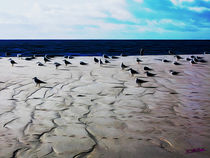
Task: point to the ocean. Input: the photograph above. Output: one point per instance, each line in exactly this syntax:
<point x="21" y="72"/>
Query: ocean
<point x="100" y="47"/>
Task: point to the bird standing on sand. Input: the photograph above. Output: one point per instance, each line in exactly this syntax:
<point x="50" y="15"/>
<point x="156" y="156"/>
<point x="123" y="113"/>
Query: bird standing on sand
<point x="187" y="59"/>
<point x="12" y="62"/>
<point x="140" y="82"/>
<point x="133" y="72"/>
<point x="107" y="61"/>
<point x="138" y="60"/>
<point x="46" y="59"/>
<point x="83" y="63"/>
<point x="149" y="74"/>
<point x="192" y="61"/>
<point x="170" y="52"/>
<point x="114" y="57"/>
<point x="178" y="57"/>
<point x="101" y="62"/>
<point x="38" y="82"/>
<point x="176" y="63"/>
<point x="57" y="64"/>
<point x="147" y="68"/>
<point x="174" y="72"/>
<point x="66" y="62"/>
<point x="106" y="56"/>
<point x="123" y="66"/>
<point x="141" y="52"/>
<point x="96" y="60"/>
<point x="40" y="64"/>
<point x="166" y="61"/>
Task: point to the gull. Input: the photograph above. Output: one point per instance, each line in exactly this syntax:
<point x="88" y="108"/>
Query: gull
<point x="170" y="52"/>
<point x="57" y="64"/>
<point x="46" y="59"/>
<point x="150" y="74"/>
<point x="101" y="62"/>
<point x="138" y="60"/>
<point x="40" y="64"/>
<point x="133" y="72"/>
<point x="105" y="56"/>
<point x="176" y="63"/>
<point x="66" y="62"/>
<point x="140" y="81"/>
<point x="83" y="63"/>
<point x="107" y="61"/>
<point x="12" y="62"/>
<point x="166" y="61"/>
<point x="147" y="68"/>
<point x="123" y="66"/>
<point x="178" y="57"/>
<point x="96" y="60"/>
<point x="174" y="72"/>
<point x="38" y="82"/>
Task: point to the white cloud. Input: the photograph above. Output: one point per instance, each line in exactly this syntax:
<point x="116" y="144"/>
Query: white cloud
<point x="198" y="9"/>
<point x="51" y="16"/>
<point x="179" y="2"/>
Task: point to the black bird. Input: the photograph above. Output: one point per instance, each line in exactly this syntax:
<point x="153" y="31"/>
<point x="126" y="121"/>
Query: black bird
<point x="147" y="68"/>
<point x="57" y="64"/>
<point x="193" y="61"/>
<point x="30" y="58"/>
<point x="150" y="74"/>
<point x="123" y="55"/>
<point x="96" y="60"/>
<point x="192" y="56"/>
<point x="12" y="62"/>
<point x="187" y="59"/>
<point x="176" y="63"/>
<point x="46" y="59"/>
<point x="101" y="62"/>
<point x="141" y="52"/>
<point x="114" y="57"/>
<point x="107" y="61"/>
<point x="198" y="57"/>
<point x="123" y="66"/>
<point x="66" y="62"/>
<point x="38" y="82"/>
<point x="40" y="64"/>
<point x="133" y="72"/>
<point x="178" y="57"/>
<point x="105" y="56"/>
<point x="170" y="52"/>
<point x="174" y="72"/>
<point x="140" y="82"/>
<point x="202" y="61"/>
<point x="166" y="61"/>
<point x="83" y="63"/>
<point x="138" y="60"/>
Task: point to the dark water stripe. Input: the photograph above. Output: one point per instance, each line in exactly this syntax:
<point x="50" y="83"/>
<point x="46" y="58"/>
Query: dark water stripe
<point x="100" y="47"/>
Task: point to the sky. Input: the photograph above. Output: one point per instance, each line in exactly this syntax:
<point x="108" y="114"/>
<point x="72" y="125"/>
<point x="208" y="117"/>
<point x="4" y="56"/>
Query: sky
<point x="105" y="19"/>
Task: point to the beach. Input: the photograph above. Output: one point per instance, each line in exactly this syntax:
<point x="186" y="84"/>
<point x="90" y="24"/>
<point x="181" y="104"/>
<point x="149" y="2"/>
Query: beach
<point x="98" y="111"/>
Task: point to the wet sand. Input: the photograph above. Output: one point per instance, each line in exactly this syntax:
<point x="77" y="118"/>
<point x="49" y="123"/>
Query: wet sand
<point x="99" y="111"/>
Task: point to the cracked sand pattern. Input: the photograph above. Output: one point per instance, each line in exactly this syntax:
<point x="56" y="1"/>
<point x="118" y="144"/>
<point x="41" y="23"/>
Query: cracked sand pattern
<point x="99" y="111"/>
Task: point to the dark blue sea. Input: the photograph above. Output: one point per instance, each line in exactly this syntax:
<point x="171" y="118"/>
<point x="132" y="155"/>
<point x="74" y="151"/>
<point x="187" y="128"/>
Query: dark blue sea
<point x="100" y="47"/>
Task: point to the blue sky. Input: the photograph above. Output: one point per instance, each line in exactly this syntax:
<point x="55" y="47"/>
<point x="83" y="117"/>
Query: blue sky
<point x="105" y="19"/>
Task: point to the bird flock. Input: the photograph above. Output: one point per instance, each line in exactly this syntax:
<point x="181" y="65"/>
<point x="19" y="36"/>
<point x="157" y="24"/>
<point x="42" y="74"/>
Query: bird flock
<point x="106" y="60"/>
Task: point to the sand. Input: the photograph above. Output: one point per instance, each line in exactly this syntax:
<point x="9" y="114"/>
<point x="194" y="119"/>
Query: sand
<point x="100" y="112"/>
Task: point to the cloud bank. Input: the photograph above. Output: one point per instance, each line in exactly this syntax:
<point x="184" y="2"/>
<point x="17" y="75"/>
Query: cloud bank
<point x="105" y="19"/>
